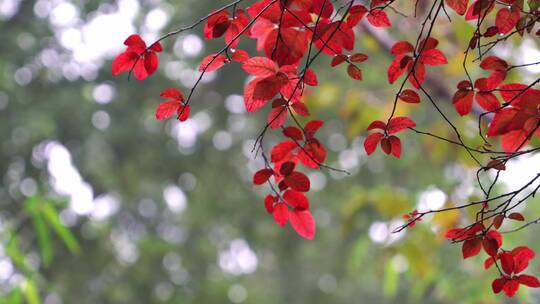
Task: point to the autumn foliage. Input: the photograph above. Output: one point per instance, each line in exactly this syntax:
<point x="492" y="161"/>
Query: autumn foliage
<point x="289" y="35"/>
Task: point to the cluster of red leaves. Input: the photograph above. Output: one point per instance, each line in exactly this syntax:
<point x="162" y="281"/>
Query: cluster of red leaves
<point x="412" y="218"/>
<point x="285" y="32"/>
<point x="510" y="263"/>
<point x="390" y="144"/>
<point x="289" y="204"/>
<point x="483" y="88"/>
<point x="174" y="104"/>
<point x="414" y="61"/>
<point x="223" y="24"/>
<point x="137" y="57"/>
<point x="508" y="17"/>
<point x="517" y="119"/>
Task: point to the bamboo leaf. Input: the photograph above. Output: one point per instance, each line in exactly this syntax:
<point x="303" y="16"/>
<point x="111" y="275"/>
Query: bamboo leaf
<point x="51" y="216"/>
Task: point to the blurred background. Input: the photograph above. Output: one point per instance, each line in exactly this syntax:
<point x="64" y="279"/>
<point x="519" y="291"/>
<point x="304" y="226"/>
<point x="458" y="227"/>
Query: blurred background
<point x="101" y="203"/>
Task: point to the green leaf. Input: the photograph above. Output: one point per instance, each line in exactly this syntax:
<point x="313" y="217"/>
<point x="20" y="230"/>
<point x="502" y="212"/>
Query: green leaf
<point x="32" y="206"/>
<point x="43" y="237"/>
<point x="51" y="216"/>
<point x="14" y="297"/>
<point x="391" y="279"/>
<point x="31" y="293"/>
<point x="15" y="254"/>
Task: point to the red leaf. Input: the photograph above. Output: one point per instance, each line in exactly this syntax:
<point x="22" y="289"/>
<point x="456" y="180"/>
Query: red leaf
<point x="479" y="8"/>
<point x="402" y="47"/>
<point x="337" y="60"/>
<point x="493" y="63"/>
<point x="522" y="255"/>
<point x="385" y="146"/>
<point x="312" y="154"/>
<point x="276" y="117"/>
<point x="416" y="78"/>
<point x="269" y="201"/>
<point x="500" y="122"/>
<point x="507" y="19"/>
<point x="313" y="126"/>
<point x="516" y="216"/>
<point x="514" y="140"/>
<point x="359" y="57"/>
<point x="259" y="91"/>
<point x="333" y="37"/>
<point x="377" y="124"/>
<point x="212" y="62"/>
<point x="156" y="47"/>
<point x="296" y="199"/>
<point x="310" y="78"/>
<point x="282" y="150"/>
<point x="139" y="70"/>
<point x="267" y="88"/>
<point x="262" y="176"/>
<point x="279" y="102"/>
<point x="217" y="24"/>
<point x="491" y="31"/>
<point x="459" y="6"/>
<point x="471" y="248"/>
<point x="463" y="101"/>
<point x="496" y="164"/>
<point x="300" y="109"/>
<point x="356" y="13"/>
<point x="510" y="91"/>
<point x="172" y="93"/>
<point x="240" y="56"/>
<point x="496" y="78"/>
<point x="511" y="287"/>
<point x="298" y="181"/>
<point x="135" y="41"/>
<point x="237" y="26"/>
<point x="378" y="18"/>
<point x="498" y="284"/>
<point x="166" y="109"/>
<point x="289" y="48"/>
<point x="293" y="133"/>
<point x="488" y="101"/>
<point x="150" y="62"/>
<point x="281" y="214"/>
<point x="123" y="62"/>
<point x="395" y="70"/>
<point x="220" y="27"/>
<point x="529" y="280"/>
<point x="497" y="221"/>
<point x="507" y="262"/>
<point x="395" y="144"/>
<point x="458" y="234"/>
<point x="354" y="72"/>
<point x="183" y="112"/>
<point x="433" y="57"/>
<point x="489" y="262"/>
<point x="464" y="85"/>
<point x="496" y="236"/>
<point x="303" y="223"/>
<point x="287" y="167"/>
<point x="398" y="124"/>
<point x="371" y="142"/>
<point x="260" y="67"/>
<point x="409" y="96"/>
<point x="490" y="247"/>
